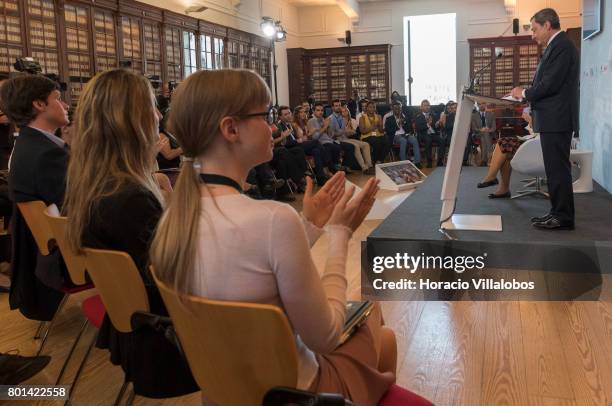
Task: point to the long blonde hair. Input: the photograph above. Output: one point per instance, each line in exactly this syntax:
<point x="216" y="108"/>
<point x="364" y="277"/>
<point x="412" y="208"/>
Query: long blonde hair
<point x="113" y="144"/>
<point x="198" y="106"/>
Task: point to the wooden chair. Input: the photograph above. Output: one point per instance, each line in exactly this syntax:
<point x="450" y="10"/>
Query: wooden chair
<point x="236" y="351"/>
<point x="244" y="354"/>
<point x="76" y="269"/>
<point x="121" y="289"/>
<point x="34" y="215"/>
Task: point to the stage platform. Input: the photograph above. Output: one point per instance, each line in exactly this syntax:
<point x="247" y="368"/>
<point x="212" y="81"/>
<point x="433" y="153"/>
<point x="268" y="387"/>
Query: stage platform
<point x="414" y="225"/>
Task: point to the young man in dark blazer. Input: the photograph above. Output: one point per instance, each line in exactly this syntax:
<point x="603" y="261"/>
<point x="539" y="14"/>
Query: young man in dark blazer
<point x="37" y="171"/>
<point x="554" y="104"/>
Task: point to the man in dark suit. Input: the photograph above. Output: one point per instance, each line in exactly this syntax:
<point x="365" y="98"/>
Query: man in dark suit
<point x="554" y="103"/>
<point x="426" y="132"/>
<point x="37" y="171"/>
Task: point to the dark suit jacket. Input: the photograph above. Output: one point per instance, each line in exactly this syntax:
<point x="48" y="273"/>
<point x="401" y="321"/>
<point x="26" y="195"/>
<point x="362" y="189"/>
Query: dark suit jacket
<point x="420" y="123"/>
<point x="38" y="172"/>
<point x="554" y="91"/>
<point x="391" y="126"/>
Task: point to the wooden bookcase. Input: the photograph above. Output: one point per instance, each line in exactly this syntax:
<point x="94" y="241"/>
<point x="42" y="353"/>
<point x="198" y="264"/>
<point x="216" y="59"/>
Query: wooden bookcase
<point x="75" y="39"/>
<point x="515" y="68"/>
<point x="333" y="73"/>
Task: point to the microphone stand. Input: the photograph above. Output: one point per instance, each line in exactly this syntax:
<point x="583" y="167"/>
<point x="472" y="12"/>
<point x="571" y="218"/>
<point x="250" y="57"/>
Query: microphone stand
<point x="473" y="80"/>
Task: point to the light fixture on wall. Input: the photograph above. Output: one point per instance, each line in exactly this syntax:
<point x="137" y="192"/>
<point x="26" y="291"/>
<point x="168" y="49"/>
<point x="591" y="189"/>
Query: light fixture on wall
<point x="195" y="9"/>
<point x="274" y="30"/>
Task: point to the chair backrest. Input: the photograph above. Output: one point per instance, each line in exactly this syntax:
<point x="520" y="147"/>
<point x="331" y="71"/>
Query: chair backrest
<point x="34" y="214"/>
<point x="120" y="285"/>
<point x="236" y="351"/>
<point x="528" y="158"/>
<point x="75" y="263"/>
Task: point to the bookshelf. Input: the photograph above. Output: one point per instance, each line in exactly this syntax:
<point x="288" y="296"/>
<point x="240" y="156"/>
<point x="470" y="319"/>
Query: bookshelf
<point x="333" y="73"/>
<point x="76" y="39"/>
<point x="515" y="68"/>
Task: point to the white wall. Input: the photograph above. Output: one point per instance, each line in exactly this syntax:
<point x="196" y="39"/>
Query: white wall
<point x="596" y="99"/>
<point x="382" y="23"/>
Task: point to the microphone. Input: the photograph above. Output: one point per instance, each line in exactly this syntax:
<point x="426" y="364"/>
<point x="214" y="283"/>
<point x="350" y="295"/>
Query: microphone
<point x="499" y="52"/>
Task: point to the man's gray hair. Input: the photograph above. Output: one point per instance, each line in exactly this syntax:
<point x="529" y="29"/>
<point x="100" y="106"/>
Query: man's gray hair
<point x="547" y="14"/>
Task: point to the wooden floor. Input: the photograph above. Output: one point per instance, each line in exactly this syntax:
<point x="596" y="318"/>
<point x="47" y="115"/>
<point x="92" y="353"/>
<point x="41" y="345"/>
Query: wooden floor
<point x="453" y="353"/>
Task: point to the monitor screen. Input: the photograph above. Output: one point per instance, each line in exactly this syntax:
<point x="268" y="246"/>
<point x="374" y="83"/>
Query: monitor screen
<point x="591" y="18"/>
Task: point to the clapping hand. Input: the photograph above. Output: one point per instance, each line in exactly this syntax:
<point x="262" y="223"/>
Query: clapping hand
<point x="351" y="212"/>
<point x="319" y="207"/>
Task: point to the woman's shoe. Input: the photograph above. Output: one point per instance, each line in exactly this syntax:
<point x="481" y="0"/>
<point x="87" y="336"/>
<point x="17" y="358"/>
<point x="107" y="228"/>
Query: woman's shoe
<point x="487" y="184"/>
<point x="506" y="195"/>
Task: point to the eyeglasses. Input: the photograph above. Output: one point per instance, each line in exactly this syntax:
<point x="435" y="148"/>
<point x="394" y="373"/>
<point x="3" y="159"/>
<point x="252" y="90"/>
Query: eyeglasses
<point x="269" y="115"/>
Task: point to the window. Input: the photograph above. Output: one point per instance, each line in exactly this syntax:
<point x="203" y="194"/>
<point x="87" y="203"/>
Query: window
<point x="189" y="53"/>
<point x="218" y="48"/>
<point x="206" y="53"/>
<point x="232" y="54"/>
<point x="434" y="78"/>
<point x="106" y="52"/>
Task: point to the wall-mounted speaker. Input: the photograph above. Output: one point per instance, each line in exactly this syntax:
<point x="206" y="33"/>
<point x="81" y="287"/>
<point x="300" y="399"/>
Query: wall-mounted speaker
<point x="515" y="26"/>
<point x="347" y="37"/>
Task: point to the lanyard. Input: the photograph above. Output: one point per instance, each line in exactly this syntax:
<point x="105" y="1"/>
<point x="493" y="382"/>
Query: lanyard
<point x="214" y="179"/>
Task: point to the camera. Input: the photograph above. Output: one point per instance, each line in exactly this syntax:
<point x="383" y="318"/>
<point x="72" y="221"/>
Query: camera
<point x="32" y="66"/>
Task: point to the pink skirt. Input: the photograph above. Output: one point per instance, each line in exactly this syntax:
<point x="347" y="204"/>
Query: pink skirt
<point x="351" y="369"/>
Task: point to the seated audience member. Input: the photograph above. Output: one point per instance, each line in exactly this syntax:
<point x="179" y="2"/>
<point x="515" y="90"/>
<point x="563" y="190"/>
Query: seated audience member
<point x="37" y="172"/>
<point x="262" y="184"/>
<point x="483" y="124"/>
<point x="363" y="103"/>
<point x="397" y="128"/>
<point x="353" y="104"/>
<point x="6" y="134"/>
<point x="503" y="153"/>
<point x="200" y="243"/>
<point x="426" y="132"/>
<point x="318" y="130"/>
<point x="307" y="109"/>
<point x="287" y="165"/>
<point x="362" y="152"/>
<point x="446" y="125"/>
<point x="338" y="131"/>
<point x="113" y="202"/>
<point x="285" y="136"/>
<point x="372" y="132"/>
<point x="169" y="156"/>
<point x="311" y="147"/>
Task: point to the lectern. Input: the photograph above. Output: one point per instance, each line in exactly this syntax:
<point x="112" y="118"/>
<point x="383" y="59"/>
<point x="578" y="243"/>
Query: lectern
<point x="448" y="219"/>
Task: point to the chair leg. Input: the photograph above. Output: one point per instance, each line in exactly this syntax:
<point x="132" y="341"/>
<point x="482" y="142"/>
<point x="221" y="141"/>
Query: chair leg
<point x="39" y="330"/>
<point x="130" y="398"/>
<point x="121" y="392"/>
<point x="44" y="339"/>
<point x="76" y="341"/>
<point x="80" y="370"/>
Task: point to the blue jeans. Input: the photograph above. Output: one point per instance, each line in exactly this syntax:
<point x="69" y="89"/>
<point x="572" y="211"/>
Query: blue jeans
<point x="403" y="141"/>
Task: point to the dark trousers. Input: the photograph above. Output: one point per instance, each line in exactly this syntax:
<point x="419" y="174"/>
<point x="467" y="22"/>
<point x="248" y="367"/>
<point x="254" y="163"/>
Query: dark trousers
<point x="428" y="140"/>
<point x="349" y="156"/>
<point x="313" y="148"/>
<point x="289" y="163"/>
<point x="333" y="151"/>
<point x="380" y="147"/>
<point x="556" y="153"/>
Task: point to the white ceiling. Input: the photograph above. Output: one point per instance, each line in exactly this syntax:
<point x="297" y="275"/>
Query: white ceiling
<point x="311" y="3"/>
